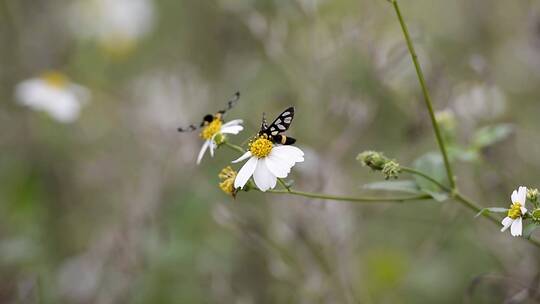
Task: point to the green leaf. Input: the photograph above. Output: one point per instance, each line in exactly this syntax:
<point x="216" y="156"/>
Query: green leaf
<point x="408" y="186"/>
<point x="431" y="164"/>
<point x="529" y="229"/>
<point x="438" y="196"/>
<point x="489" y="135"/>
<point x="463" y="154"/>
<point x="491" y="209"/>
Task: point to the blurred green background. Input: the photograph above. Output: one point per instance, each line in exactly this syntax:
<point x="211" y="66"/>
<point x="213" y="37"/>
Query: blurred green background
<point x="112" y="208"/>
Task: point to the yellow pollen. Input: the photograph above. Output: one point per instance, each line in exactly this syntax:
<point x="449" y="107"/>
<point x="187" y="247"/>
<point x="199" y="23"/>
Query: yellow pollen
<point x="55" y="79"/>
<point x="227" y="175"/>
<point x="515" y="211"/>
<point x="261" y="147"/>
<point x="211" y="129"/>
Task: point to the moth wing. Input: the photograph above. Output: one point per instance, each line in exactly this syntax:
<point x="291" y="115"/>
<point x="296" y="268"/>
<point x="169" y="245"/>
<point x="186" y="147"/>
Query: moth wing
<point x="281" y="123"/>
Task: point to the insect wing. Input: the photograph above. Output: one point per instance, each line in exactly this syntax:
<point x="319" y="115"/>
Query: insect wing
<point x="231" y="103"/>
<point x="282" y="122"/>
<point x="189" y="128"/>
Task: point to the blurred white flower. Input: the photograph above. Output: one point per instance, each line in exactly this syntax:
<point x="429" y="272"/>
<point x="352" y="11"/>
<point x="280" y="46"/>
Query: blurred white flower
<point x="267" y="163"/>
<point x="516" y="212"/>
<point x="117" y="25"/>
<point x="479" y="102"/>
<point x="213" y="134"/>
<point x="54" y="94"/>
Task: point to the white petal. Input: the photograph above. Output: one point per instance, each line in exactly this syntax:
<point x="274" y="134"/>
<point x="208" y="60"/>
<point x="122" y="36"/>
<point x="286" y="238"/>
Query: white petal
<point x="289" y="152"/>
<point x="517" y="227"/>
<point x="523" y="210"/>
<point x="231" y="129"/>
<point x="245" y="173"/>
<point x="522" y="195"/>
<point x="212" y="146"/>
<point x="203" y="149"/>
<point x="506" y="223"/>
<point x="243" y="157"/>
<point x="277" y="166"/>
<point x="264" y="179"/>
<point x="514" y="196"/>
<point x="232" y="123"/>
<point x="278" y="155"/>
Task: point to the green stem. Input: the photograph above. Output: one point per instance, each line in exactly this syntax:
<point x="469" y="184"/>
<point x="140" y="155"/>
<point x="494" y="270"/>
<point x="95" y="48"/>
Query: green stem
<point x="453" y="190"/>
<point x="234" y="147"/>
<point x="282" y="183"/>
<point x="427" y="177"/>
<point x="427" y="98"/>
<point x="351" y="199"/>
<point x="474" y="206"/>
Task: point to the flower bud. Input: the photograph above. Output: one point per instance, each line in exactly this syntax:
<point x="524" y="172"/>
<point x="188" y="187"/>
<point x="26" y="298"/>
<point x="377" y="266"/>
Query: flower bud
<point x="446" y="120"/>
<point x="377" y="161"/>
<point x="391" y="169"/>
<point x="532" y="194"/>
<point x="374" y="160"/>
<point x="227" y="176"/>
<point x="536" y="215"/>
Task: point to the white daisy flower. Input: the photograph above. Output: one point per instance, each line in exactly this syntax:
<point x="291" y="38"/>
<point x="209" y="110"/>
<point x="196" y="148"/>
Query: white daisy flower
<point x="116" y="25"/>
<point x="54" y="94"/>
<point x="267" y="162"/>
<point x="516" y="212"/>
<point x="213" y="132"/>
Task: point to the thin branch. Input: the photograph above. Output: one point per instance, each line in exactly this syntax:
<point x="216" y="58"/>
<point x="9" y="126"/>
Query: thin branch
<point x="427" y="98"/>
<point x="351" y="199"/>
<point x="283" y="184"/>
<point x="234" y="147"/>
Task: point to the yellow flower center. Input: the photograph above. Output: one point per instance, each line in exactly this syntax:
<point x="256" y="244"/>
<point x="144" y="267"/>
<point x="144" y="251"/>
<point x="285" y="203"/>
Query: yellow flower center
<point x="118" y="47"/>
<point x="55" y="79"/>
<point x="227" y="175"/>
<point x="261" y="147"/>
<point x="515" y="211"/>
<point x="211" y="129"/>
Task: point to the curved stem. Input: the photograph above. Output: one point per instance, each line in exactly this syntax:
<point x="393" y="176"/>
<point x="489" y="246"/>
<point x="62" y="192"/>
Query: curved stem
<point x="351" y="199"/>
<point x="427" y="98"/>
<point x="425" y="176"/>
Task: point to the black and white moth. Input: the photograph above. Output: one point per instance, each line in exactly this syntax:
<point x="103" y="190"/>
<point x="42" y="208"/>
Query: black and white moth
<point x="278" y="126"/>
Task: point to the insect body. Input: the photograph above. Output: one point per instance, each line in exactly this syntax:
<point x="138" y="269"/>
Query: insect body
<point x="277" y="127"/>
<point x="209" y="118"/>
